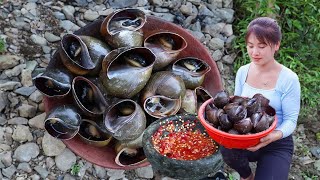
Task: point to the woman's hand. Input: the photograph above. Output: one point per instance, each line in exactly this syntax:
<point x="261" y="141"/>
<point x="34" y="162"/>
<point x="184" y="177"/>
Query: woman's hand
<point x="273" y="136"/>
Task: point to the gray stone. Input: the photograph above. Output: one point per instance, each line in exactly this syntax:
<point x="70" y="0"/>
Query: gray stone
<point x="4" y="147"/>
<point x="22" y="134"/>
<point x="51" y="37"/>
<point x="216" y="43"/>
<point x="217" y="55"/>
<point x="26" y="79"/>
<point x="68" y="12"/>
<point x="3" y="100"/>
<point x="18" y="121"/>
<point x="49" y="162"/>
<point x="42" y="171"/>
<point x="59" y="15"/>
<point x="69" y="177"/>
<point x="225" y="14"/>
<point x="46" y="49"/>
<point x="25" y="91"/>
<point x="2" y="135"/>
<point x="15" y="71"/>
<point x="24" y="167"/>
<point x="19" y="24"/>
<point x="30" y="6"/>
<point x="10" y="85"/>
<point x="122" y="4"/>
<point x="229" y="58"/>
<point x="196" y="2"/>
<point x="37" y="121"/>
<point x="214" y="29"/>
<point x="165" y="16"/>
<point x="228" y="3"/>
<point x="315" y="151"/>
<point x="68" y="25"/>
<point x="106" y="12"/>
<point x="35" y="177"/>
<point x="145" y="172"/>
<point x="9" y="61"/>
<point x="196" y="26"/>
<point x="86" y="166"/>
<point x="204" y="11"/>
<point x="52" y="146"/>
<point x="26" y="110"/>
<point x="90" y="15"/>
<point x="31" y="65"/>
<point x="98" y="1"/>
<point x="161" y="10"/>
<point x="227" y="30"/>
<point x="25" y="152"/>
<point x="115" y="173"/>
<point x="6" y="158"/>
<point x="198" y="35"/>
<point x="230" y="40"/>
<point x="82" y="3"/>
<point x="216" y="3"/>
<point x="3" y="120"/>
<point x="9" y="171"/>
<point x="142" y="2"/>
<point x="186" y="8"/>
<point x="38" y="40"/>
<point x="101" y="172"/>
<point x="36" y="96"/>
<point x="65" y="160"/>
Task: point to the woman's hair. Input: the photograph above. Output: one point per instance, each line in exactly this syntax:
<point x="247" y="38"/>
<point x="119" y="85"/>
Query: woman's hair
<point x="265" y="29"/>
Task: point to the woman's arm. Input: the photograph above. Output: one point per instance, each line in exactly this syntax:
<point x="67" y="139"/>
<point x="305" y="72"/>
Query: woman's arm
<point x="290" y="106"/>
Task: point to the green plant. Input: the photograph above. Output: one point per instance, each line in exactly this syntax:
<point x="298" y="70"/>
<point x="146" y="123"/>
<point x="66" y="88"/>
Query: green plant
<point x="318" y="136"/>
<point x="309" y="176"/>
<point x="300" y="23"/>
<point x="2" y="45"/>
<point x="230" y="177"/>
<point x="75" y="169"/>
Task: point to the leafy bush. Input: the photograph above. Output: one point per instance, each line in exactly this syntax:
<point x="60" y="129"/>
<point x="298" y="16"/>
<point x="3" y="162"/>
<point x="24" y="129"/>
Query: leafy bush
<point x="300" y="23"/>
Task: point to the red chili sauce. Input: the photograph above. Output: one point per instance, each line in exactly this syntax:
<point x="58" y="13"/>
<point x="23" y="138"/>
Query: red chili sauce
<point x="183" y="142"/>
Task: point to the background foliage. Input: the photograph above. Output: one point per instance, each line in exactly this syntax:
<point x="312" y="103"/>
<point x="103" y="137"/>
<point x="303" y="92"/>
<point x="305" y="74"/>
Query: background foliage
<point x="300" y="46"/>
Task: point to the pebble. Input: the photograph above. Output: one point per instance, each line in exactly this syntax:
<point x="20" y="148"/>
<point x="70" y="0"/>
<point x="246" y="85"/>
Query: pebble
<point x="22" y="134"/>
<point x="52" y="146"/>
<point x="37" y="121"/>
<point x="18" y="121"/>
<point x="25" y="91"/>
<point x="51" y="37"/>
<point x="25" y="152"/>
<point x="38" y="40"/>
<point x="65" y="160"/>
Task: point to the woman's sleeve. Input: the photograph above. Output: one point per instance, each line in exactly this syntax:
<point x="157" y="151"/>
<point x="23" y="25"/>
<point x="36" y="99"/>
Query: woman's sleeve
<point x="290" y="106"/>
<point x="238" y="86"/>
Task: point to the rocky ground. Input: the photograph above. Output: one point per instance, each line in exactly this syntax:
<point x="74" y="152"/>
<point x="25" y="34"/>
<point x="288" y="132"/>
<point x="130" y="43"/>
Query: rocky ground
<point x="32" y="30"/>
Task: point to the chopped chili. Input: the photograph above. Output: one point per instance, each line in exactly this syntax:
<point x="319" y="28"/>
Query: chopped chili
<point x="183" y="141"/>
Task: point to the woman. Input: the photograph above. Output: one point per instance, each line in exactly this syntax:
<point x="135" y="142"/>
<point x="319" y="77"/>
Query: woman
<point x="281" y="86"/>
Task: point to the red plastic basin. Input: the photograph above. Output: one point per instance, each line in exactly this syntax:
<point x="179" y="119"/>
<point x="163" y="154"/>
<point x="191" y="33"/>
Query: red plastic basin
<point x="232" y="140"/>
